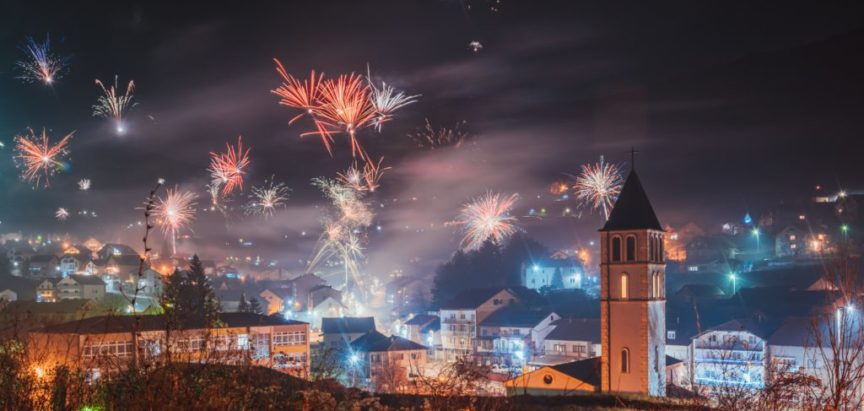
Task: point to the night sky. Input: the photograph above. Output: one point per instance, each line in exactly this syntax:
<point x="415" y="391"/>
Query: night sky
<point x="732" y="109"/>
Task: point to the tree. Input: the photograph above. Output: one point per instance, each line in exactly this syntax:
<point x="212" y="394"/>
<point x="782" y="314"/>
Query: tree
<point x="488" y="266"/>
<point x="243" y="307"/>
<point x="838" y="338"/>
<point x="255" y="306"/>
<point x="189" y="295"/>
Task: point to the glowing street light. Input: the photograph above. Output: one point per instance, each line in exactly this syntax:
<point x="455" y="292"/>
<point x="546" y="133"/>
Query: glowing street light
<point x="734" y="278"/>
<point x="756" y="233"/>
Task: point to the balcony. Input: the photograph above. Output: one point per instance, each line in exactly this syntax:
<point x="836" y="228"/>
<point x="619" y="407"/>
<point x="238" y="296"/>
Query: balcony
<point x="456" y="321"/>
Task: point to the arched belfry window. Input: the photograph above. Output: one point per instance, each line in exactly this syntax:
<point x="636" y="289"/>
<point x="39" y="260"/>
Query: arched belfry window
<point x="625" y="361"/>
<point x="651" y="246"/>
<point x="616" y="248"/>
<point x="631" y="248"/>
<point x="625" y="286"/>
<point x="660" y="256"/>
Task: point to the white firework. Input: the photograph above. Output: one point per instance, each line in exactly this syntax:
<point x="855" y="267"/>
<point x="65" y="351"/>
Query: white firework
<point x="84" y="184"/>
<point x="62" y="214"/>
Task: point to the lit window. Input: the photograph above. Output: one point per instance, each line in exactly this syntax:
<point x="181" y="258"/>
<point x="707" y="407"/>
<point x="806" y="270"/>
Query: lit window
<point x="671" y="335"/>
<point x="625" y="286"/>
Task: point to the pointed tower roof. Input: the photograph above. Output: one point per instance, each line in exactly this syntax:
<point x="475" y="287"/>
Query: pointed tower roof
<point x="632" y="210"/>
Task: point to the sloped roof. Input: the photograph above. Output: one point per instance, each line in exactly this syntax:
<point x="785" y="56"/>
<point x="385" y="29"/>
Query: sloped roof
<point x="576" y="329"/>
<point x="42" y="258"/>
<point x="516" y="317"/>
<point x="632" y="210"/>
<point x="587" y="370"/>
<point x="700" y="291"/>
<point x="421" y="319"/>
<point x="374" y="341"/>
<point x="471" y="298"/>
<point x="347" y="325"/>
<point x="122" y="323"/>
<point x="87" y="279"/>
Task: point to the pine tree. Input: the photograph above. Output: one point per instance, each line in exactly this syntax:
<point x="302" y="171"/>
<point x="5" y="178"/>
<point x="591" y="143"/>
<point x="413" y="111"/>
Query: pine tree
<point x="244" y="305"/>
<point x="188" y="295"/>
<point x="254" y="306"/>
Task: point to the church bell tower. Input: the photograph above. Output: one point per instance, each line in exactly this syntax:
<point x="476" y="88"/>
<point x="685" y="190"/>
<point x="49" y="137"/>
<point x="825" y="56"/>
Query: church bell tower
<point x="633" y="296"/>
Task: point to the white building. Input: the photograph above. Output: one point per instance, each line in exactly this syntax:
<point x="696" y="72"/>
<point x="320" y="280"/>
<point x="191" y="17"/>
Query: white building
<point x="553" y="273"/>
<point x="461" y="315"/>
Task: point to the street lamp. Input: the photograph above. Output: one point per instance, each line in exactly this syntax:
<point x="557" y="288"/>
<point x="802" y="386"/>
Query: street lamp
<point x="734" y="278"/>
<point x="756" y="234"/>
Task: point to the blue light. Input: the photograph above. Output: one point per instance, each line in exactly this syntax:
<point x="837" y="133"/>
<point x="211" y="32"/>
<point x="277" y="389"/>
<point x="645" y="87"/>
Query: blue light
<point x="747" y="218"/>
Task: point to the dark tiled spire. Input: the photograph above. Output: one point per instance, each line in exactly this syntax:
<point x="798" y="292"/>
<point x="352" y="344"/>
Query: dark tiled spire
<point x="632" y="210"/>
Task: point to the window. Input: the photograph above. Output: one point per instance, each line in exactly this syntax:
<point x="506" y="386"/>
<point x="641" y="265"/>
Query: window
<point x="660" y="255"/>
<point x="625" y="286"/>
<point x="260" y="345"/>
<point x="289" y="338"/>
<point x="625" y="361"/>
<point x="631" y="248"/>
<point x="651" y="247"/>
<point x="547" y="379"/>
<point x="671" y="335"/>
<point x="579" y="349"/>
<point x="105" y="349"/>
<point x="559" y="347"/>
<point x="616" y="249"/>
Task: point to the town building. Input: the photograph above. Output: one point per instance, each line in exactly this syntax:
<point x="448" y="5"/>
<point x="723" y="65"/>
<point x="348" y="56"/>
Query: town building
<point x="571" y="339"/>
<point x="513" y="335"/>
<point x="424" y="329"/>
<point x="461" y="316"/>
<point x="633" y="295"/>
<point x="100" y="345"/>
<point x="387" y="363"/>
<point x="562" y="379"/>
<point x="553" y="274"/>
<point x="80" y="286"/>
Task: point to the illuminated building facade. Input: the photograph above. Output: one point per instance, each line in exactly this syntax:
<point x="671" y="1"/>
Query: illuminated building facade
<point x="100" y="345"/>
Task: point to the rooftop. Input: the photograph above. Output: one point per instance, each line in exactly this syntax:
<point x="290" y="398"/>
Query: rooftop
<point x="516" y="317"/>
<point x="347" y="325"/>
<point x="632" y="210"/>
<point x="576" y="329"/>
<point x="374" y="341"/>
<point x="119" y="324"/>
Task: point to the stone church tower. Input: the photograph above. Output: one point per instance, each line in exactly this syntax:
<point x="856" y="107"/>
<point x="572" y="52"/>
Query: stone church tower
<point x="633" y="296"/>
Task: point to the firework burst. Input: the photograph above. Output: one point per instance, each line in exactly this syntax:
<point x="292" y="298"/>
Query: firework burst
<point x="386" y="100"/>
<point x="227" y="169"/>
<point x="113" y="105"/>
<point x="346" y="107"/>
<point x="598" y="185"/>
<point x="38" y="158"/>
<point x="84" y="184"/>
<point x="353" y="178"/>
<point x="41" y="65"/>
<point x="487" y="218"/>
<point x="433" y="138"/>
<point x="372" y="173"/>
<point x="266" y="199"/>
<point x="342" y="231"/>
<point x="306" y="96"/>
<point x="175" y="212"/>
<point x="62" y="214"/>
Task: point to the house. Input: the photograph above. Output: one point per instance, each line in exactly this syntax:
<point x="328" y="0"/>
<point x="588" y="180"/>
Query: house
<point x="80" y="286"/>
<point x="72" y="263"/>
<point x="732" y="353"/>
<point x="461" y="316"/>
<point x="8" y="296"/>
<point x="43" y="265"/>
<point x="563" y="379"/>
<point x="328" y="307"/>
<point x="341" y="332"/>
<point x="553" y="273"/>
<point x="389" y="364"/>
<point x="424" y="329"/>
<point x="46" y="291"/>
<point x="571" y="339"/>
<point x="302" y="285"/>
<point x="273" y="303"/>
<point x="103" y="344"/>
<point x="513" y="335"/>
<point x="150" y="284"/>
<point x="124" y="266"/>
